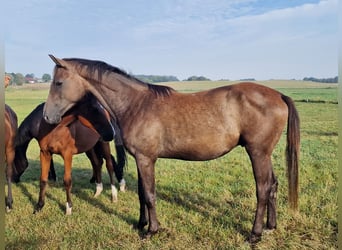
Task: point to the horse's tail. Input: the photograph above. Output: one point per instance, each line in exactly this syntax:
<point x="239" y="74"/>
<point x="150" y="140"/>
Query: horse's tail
<point x="292" y="151"/>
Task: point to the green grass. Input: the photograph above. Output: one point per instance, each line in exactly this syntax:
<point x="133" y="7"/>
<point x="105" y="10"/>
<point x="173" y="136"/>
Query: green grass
<point x="201" y="205"/>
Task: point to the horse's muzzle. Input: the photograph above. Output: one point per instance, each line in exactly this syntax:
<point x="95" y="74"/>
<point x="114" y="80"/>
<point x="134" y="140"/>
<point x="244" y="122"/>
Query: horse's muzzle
<point x="52" y="120"/>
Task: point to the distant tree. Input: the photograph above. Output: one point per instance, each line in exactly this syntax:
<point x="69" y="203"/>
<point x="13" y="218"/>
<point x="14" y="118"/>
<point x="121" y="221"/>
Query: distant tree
<point x="29" y="75"/>
<point x="197" y="78"/>
<point x="18" y="78"/>
<point x="46" y="78"/>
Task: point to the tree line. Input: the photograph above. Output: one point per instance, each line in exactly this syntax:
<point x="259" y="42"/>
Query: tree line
<point x="324" y="80"/>
<point x="20" y="79"/>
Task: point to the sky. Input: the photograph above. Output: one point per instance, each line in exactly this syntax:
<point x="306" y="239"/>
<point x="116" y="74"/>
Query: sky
<point x="218" y="39"/>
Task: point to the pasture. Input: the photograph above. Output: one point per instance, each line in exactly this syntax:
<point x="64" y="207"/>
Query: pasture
<point x="200" y="205"/>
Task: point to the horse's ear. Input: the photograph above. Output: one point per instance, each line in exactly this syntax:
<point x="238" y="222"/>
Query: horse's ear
<point x="59" y="62"/>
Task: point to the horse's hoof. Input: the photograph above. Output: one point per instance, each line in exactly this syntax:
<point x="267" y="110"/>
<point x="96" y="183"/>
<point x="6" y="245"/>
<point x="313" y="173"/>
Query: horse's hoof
<point x="253" y="239"/>
<point x="36" y="211"/>
<point x="99" y="188"/>
<point x="122" y="185"/>
<point x="38" y="208"/>
<point x="148" y="235"/>
<point x="268" y="231"/>
<point x="8" y="209"/>
<point x="114" y="194"/>
<point x="68" y="209"/>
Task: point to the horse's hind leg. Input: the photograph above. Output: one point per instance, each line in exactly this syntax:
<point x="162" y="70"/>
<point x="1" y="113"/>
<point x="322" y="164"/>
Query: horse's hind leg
<point x="110" y="170"/>
<point x="272" y="204"/>
<point x="263" y="174"/>
<point x="110" y="163"/>
<point x="96" y="163"/>
<point x="147" y="194"/>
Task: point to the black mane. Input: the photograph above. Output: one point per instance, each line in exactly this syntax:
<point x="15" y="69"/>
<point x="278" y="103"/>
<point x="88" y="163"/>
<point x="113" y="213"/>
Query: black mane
<point x="101" y="67"/>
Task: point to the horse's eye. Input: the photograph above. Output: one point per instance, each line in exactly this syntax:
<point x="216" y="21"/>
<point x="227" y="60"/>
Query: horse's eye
<point x="58" y="83"/>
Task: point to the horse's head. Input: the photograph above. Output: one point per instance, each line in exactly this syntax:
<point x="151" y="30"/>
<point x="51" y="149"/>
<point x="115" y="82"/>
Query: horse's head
<point x="66" y="89"/>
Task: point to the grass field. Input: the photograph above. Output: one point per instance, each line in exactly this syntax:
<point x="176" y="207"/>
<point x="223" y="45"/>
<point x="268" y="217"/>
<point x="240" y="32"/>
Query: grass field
<point x="201" y="205"/>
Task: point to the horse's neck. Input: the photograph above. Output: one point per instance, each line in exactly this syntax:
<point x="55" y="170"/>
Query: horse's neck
<point x="24" y="136"/>
<point x="118" y="94"/>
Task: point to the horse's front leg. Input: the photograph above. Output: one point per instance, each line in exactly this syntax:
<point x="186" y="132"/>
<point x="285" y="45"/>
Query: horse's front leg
<point x="143" y="218"/>
<point x="147" y="194"/>
<point x="45" y="159"/>
<point x="9" y="199"/>
<point x="68" y="182"/>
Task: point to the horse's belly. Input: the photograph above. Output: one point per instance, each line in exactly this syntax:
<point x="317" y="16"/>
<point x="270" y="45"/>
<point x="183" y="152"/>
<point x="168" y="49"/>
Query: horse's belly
<point x="200" y="150"/>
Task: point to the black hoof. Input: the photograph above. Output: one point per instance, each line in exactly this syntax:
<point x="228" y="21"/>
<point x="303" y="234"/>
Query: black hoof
<point x="148" y="235"/>
<point x="253" y="239"/>
<point x="38" y="208"/>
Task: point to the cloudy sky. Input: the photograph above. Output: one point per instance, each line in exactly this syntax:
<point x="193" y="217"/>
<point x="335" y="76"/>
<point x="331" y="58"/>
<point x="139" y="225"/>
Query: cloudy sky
<point x="219" y="39"/>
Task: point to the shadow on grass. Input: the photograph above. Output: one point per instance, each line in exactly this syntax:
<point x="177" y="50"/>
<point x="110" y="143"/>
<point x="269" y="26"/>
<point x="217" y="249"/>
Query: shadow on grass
<point x="186" y="199"/>
<point x="201" y="204"/>
<point x="81" y="189"/>
<point x="26" y="244"/>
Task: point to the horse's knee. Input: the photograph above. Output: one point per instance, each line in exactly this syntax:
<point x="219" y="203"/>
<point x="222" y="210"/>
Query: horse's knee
<point x="67" y="183"/>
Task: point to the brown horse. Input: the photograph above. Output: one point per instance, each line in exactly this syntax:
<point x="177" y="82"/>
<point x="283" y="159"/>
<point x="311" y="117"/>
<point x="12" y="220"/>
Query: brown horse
<point x="11" y="125"/>
<point x="77" y="133"/>
<point x="7" y="80"/>
<point x="157" y="121"/>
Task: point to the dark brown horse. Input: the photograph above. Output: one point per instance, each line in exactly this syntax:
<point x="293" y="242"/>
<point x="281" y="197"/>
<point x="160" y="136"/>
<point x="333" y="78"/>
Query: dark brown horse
<point x="11" y="126"/>
<point x="77" y="133"/>
<point x="157" y="121"/>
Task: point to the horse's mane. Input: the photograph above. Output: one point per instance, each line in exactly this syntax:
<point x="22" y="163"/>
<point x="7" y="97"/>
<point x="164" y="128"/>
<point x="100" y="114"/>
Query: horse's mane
<point x="91" y="66"/>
